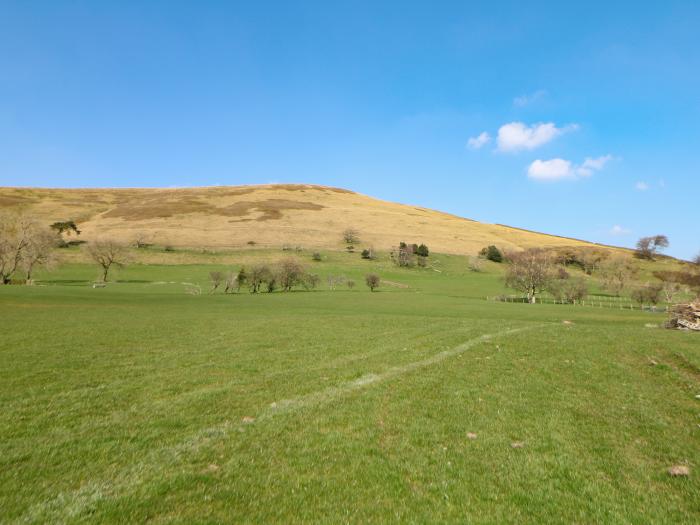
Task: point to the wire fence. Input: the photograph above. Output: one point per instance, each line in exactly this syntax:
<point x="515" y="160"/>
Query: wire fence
<point x="618" y="303"/>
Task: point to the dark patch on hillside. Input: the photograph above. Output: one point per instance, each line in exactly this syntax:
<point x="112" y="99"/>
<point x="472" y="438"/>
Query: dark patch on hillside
<point x="271" y="209"/>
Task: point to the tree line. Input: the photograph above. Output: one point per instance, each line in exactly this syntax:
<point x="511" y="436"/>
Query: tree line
<point x="536" y="270"/>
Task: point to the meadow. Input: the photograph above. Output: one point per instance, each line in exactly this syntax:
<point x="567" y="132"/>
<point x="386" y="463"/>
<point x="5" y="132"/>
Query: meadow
<point x="421" y="402"/>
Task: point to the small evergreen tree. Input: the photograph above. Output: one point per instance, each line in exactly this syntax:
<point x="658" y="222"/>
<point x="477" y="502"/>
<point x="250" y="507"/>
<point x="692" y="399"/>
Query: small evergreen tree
<point x="492" y="254"/>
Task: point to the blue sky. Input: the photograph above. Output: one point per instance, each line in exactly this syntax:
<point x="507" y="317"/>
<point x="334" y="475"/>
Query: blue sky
<point x="589" y="114"/>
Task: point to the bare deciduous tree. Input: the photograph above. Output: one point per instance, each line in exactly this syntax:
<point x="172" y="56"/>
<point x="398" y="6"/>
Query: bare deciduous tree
<point x="616" y="274"/>
<point x="217" y="279"/>
<point x="40" y="251"/>
<point x="648" y="247"/>
<point x="16" y="230"/>
<point x="141" y="240"/>
<point x="259" y="275"/>
<point x="529" y="272"/>
<point x="591" y="261"/>
<point x="107" y="253"/>
<point x="351" y="236"/>
<point x="372" y="280"/>
<point x="290" y="273"/>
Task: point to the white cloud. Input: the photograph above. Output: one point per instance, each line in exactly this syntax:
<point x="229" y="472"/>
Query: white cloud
<point x="591" y="165"/>
<point x="479" y="141"/>
<point x="526" y="100"/>
<point x="619" y="230"/>
<point x="641" y="186"/>
<point x="559" y="169"/>
<point x="550" y="170"/>
<point x="517" y="136"/>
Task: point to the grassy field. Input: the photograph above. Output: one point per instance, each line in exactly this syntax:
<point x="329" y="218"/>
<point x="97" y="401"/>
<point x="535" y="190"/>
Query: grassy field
<point x="421" y="402"/>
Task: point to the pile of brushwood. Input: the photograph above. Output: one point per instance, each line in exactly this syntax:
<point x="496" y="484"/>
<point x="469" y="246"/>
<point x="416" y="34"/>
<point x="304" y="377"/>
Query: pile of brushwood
<point x="685" y="316"/>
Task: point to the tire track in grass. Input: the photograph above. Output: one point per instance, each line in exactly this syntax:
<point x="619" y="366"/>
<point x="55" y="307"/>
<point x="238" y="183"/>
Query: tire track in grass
<point x="72" y="504"/>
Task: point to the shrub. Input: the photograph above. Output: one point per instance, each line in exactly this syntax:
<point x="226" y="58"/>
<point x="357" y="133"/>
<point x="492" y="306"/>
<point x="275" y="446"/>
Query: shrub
<point x="562" y="273"/>
<point x="647" y="294"/>
<point x="316" y="257"/>
<point x="351" y="284"/>
<point x="422" y="251"/>
<point x="351" y="236"/>
<point x="568" y="290"/>
<point x="492" y="253"/>
<point x="310" y="281"/>
<point x="168" y="248"/>
<point x="372" y="280"/>
<point x="335" y="280"/>
<point x="242" y="277"/>
<point x="368" y="253"/>
<point x="474" y="264"/>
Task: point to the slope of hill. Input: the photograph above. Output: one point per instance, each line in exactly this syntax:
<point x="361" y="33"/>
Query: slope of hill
<point x="269" y="215"/>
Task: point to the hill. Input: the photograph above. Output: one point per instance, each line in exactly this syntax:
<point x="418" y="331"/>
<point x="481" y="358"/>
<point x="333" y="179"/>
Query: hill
<point x="267" y="216"/>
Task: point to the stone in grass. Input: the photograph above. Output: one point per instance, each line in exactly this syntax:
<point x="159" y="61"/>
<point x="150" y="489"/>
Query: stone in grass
<point x="471" y="435"/>
<point x="567" y="322"/>
<point x="517" y="444"/>
<point x="212" y="468"/>
<point x="679" y="470"/>
<point x="247" y="420"/>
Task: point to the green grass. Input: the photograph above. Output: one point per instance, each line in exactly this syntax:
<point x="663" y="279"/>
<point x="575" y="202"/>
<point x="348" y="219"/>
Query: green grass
<point x="128" y="403"/>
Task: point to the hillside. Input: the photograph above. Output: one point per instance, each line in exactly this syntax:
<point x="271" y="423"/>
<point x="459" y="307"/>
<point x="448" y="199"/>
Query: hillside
<point x="270" y="215"/>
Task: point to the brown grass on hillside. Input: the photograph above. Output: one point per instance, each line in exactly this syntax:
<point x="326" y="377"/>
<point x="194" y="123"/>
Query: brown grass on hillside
<point x="270" y="215"/>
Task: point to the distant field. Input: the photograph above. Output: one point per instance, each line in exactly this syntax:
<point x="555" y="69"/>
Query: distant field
<point x="421" y="402"/>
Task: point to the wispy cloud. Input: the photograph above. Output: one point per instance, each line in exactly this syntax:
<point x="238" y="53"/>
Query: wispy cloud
<point x="618" y="230"/>
<point x="590" y="165"/>
<point x="561" y="169"/>
<point x="517" y="136"/>
<point x="479" y="141"/>
<point x="526" y="100"/>
<point x="641" y="186"/>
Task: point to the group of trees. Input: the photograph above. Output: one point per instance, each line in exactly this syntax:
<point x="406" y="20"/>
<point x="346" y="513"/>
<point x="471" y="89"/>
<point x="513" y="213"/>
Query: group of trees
<point x="25" y="245"/>
<point x="285" y="275"/>
<point x="408" y="255"/>
<point x="537" y="270"/>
